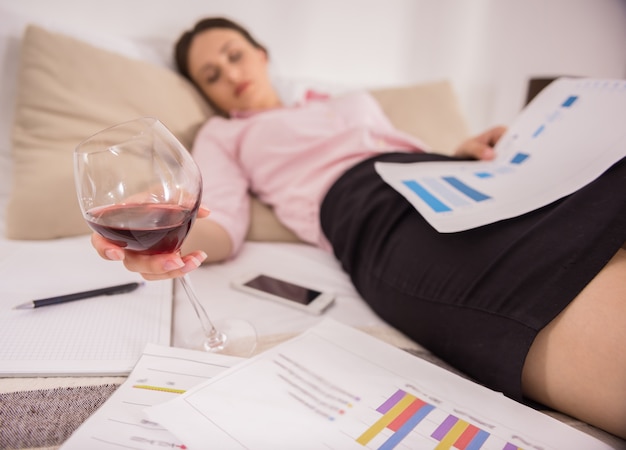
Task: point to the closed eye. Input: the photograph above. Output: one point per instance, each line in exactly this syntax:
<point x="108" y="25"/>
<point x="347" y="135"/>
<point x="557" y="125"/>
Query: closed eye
<point x="233" y="57"/>
<point x="213" y="77"/>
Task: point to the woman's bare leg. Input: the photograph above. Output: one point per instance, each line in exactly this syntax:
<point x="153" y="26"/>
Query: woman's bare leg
<point x="577" y="364"/>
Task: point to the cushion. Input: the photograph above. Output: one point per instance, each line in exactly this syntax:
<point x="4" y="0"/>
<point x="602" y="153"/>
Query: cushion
<point x="429" y="111"/>
<point x="68" y="90"/>
<point x="12" y="25"/>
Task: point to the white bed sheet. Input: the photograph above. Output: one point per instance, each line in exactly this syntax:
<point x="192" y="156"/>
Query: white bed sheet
<point x="274" y="323"/>
<point x="294" y="262"/>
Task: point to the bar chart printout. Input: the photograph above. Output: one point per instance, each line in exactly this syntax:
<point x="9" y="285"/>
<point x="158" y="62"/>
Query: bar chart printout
<point x="402" y="417"/>
<point x="564" y="139"/>
<point x="401" y="414"/>
<point x="334" y="387"/>
<point x="160" y="374"/>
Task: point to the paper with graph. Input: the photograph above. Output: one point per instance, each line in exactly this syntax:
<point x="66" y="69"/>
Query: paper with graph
<point x="564" y="139"/>
<point x="334" y="387"/>
<point x="161" y="374"/>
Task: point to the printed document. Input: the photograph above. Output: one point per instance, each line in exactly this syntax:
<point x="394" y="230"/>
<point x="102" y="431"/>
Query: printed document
<point x="161" y="374"/>
<point x="564" y="139"/>
<point x="334" y="387"/>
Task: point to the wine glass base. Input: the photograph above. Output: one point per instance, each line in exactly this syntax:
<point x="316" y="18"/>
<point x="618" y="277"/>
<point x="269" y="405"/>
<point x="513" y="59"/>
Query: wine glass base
<point x="235" y="337"/>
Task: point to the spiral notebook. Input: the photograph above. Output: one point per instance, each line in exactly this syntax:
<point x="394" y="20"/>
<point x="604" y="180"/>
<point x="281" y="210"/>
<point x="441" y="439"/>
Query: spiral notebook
<point x="99" y="336"/>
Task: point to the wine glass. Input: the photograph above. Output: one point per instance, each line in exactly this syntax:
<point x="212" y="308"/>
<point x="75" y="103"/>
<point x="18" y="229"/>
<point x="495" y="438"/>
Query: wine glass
<point x="140" y="188"/>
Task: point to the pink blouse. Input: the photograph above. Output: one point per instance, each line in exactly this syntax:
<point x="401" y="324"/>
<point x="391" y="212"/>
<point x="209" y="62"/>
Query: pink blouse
<point x="289" y="157"/>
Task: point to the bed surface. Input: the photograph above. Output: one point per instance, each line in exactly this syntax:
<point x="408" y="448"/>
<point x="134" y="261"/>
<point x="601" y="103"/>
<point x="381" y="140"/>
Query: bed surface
<point x="274" y="324"/>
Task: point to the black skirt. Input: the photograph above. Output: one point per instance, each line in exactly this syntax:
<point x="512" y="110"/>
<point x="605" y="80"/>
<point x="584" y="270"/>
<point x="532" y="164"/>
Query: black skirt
<point x="476" y="298"/>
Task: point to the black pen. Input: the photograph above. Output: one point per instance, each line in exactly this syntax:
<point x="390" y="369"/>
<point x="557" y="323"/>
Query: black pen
<point x="111" y="290"/>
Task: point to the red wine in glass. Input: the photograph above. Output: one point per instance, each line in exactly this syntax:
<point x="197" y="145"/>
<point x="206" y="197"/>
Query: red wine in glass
<point x="149" y="228"/>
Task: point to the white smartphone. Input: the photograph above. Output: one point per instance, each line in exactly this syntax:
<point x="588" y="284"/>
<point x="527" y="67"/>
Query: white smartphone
<point x="304" y="298"/>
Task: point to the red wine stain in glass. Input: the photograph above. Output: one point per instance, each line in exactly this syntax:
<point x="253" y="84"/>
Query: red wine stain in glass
<point x="146" y="228"/>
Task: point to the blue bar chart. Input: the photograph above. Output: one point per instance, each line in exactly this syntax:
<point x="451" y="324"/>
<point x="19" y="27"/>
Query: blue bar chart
<point x="442" y="195"/>
<point x="564" y="139"/>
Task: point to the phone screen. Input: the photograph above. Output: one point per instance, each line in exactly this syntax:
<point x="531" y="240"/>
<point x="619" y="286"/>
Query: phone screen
<point x="283" y="289"/>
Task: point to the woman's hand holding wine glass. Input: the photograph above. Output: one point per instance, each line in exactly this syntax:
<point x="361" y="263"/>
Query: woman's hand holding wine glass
<point x="152" y="267"/>
<point x="139" y="189"/>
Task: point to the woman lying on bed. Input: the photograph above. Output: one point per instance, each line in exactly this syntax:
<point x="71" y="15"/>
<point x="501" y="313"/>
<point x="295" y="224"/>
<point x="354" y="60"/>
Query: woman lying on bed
<point x="533" y="306"/>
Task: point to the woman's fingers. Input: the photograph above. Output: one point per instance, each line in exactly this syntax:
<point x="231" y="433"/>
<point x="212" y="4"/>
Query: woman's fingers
<point x="151" y="267"/>
<point x="158" y="267"/>
<point x="189" y="262"/>
<point x="476" y="149"/>
<point x="481" y="146"/>
<point x="106" y="249"/>
<point x="203" y="212"/>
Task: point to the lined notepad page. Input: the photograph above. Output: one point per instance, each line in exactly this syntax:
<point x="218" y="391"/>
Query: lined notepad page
<point x="98" y="336"/>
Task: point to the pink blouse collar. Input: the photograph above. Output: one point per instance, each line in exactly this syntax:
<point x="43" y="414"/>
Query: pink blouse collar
<point x="309" y="95"/>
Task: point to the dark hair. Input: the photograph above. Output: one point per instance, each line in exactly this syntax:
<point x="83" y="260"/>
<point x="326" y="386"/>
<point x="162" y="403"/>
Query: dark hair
<point x="181" y="50"/>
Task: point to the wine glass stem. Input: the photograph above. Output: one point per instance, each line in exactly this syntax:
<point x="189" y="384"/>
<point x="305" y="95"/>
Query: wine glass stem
<point x="209" y="329"/>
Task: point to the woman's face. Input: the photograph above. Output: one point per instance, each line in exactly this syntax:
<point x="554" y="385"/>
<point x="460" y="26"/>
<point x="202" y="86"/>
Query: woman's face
<point x="231" y="71"/>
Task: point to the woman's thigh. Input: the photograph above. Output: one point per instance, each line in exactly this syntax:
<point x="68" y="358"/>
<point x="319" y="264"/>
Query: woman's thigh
<point x="476" y="298"/>
<point x="577" y="363"/>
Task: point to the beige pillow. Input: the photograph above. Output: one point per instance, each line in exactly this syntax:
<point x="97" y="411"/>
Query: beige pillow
<point x="68" y="90"/>
<point x="429" y="111"/>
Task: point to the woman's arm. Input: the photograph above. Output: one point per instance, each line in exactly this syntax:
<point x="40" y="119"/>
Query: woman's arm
<point x="211" y="238"/>
<point x="210" y="243"/>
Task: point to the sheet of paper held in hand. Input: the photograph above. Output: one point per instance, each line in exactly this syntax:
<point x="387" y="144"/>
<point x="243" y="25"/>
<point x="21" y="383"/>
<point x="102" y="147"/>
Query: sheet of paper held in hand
<point x="161" y="374"/>
<point x="102" y="335"/>
<point x="565" y="138"/>
<point x="334" y="387"/>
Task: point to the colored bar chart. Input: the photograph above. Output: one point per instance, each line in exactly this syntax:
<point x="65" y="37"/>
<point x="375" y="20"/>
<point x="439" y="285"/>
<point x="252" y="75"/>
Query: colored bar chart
<point x="159" y="388"/>
<point x="441" y="194"/>
<point x="539" y="130"/>
<point x="569" y="101"/>
<point x="542" y="157"/>
<point x="398" y="401"/>
<point x="444" y="194"/>
<point x="431" y="200"/>
<point x="402" y="412"/>
<point x="401" y="416"/>
<point x="457" y="433"/>
<point x="510" y="446"/>
<point x="519" y="158"/>
<point x="466" y="189"/>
